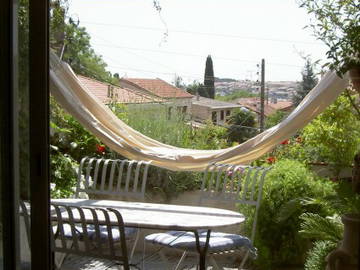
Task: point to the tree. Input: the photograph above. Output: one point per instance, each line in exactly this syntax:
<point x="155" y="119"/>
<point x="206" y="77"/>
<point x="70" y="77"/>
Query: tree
<point x="209" y="79"/>
<point x="197" y="88"/>
<point x="275" y="118"/>
<point x="242" y="126"/>
<point x="308" y="82"/>
<point x="178" y="82"/>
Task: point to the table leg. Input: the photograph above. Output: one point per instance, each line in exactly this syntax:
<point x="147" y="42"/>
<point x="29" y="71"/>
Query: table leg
<point x="202" y="250"/>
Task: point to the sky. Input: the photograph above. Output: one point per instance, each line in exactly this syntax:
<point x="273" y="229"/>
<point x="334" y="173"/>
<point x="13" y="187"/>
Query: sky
<point x="138" y="41"/>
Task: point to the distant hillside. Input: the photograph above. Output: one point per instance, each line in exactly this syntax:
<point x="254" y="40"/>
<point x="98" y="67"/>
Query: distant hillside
<point x="224" y="80"/>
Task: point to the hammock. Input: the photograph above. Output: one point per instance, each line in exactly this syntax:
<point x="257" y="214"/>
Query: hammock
<point x="77" y="100"/>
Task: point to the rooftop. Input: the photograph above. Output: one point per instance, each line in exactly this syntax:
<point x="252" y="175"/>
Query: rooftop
<point x="213" y="103"/>
<point x="159" y="88"/>
<point x="120" y="95"/>
<point x="253" y="104"/>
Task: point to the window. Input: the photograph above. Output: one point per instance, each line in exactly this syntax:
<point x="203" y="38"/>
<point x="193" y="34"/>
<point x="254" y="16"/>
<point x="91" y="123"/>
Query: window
<point x="222" y="117"/>
<point x="214" y="117"/>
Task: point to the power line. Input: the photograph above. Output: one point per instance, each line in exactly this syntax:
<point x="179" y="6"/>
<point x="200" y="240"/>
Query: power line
<point x="182" y="53"/>
<point x="194" y="55"/>
<point x="205" y="33"/>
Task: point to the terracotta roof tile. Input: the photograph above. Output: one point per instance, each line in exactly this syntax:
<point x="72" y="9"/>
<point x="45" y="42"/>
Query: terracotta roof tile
<point x="121" y="95"/>
<point x="159" y="88"/>
<point x="253" y="104"/>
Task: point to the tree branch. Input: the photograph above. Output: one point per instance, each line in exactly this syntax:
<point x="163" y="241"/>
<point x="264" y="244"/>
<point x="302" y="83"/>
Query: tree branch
<point x="353" y="103"/>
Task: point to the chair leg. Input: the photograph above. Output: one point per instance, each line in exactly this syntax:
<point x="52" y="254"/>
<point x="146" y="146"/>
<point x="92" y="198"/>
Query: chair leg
<point x="134" y="245"/>
<point x="163" y="257"/>
<point x="214" y="263"/>
<point x="244" y="260"/>
<point x="58" y="262"/>
<point x="181" y="260"/>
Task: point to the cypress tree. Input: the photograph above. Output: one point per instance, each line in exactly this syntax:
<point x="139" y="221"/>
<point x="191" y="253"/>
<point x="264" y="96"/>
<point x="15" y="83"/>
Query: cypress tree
<point x="209" y="79"/>
<point x="308" y="82"/>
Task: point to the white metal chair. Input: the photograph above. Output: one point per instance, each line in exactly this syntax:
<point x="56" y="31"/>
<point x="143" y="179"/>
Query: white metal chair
<point x="96" y="240"/>
<point x="240" y="185"/>
<point x="114" y="177"/>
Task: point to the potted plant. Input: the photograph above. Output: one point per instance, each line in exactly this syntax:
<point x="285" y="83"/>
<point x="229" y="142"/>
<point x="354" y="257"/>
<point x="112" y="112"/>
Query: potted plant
<point x="337" y="24"/>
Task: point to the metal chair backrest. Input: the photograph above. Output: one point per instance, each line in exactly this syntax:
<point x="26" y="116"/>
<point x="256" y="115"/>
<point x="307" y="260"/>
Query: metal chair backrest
<point x="235" y="184"/>
<point x="112" y="177"/>
<point x="88" y="244"/>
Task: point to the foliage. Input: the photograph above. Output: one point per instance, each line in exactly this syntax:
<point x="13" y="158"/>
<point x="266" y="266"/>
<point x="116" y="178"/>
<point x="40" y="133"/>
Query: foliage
<point x="63" y="174"/>
<point x="337" y="24"/>
<point x="334" y="136"/>
<point x="317" y="254"/>
<point x="328" y="231"/>
<point x="209" y="79"/>
<point x="197" y="88"/>
<point x="277" y="238"/>
<point x="169" y="184"/>
<point x="308" y="82"/>
<point x="23" y="65"/>
<point x="275" y="118"/>
<point x="345" y="201"/>
<point x="81" y="57"/>
<point x="331" y="138"/>
<point x="240" y="93"/>
<point x="241" y="126"/>
<point x="69" y="136"/>
<point x="155" y="121"/>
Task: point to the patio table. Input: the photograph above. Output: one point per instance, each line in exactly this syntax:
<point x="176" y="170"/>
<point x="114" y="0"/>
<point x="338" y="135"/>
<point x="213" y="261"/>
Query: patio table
<point x="164" y="217"/>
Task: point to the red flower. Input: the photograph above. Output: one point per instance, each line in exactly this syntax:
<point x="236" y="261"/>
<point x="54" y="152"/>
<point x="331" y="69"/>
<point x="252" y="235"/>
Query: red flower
<point x="100" y="148"/>
<point x="271" y="160"/>
<point x="285" y="142"/>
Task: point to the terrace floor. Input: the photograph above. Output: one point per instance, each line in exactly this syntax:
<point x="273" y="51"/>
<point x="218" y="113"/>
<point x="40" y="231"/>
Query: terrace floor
<point x="74" y="262"/>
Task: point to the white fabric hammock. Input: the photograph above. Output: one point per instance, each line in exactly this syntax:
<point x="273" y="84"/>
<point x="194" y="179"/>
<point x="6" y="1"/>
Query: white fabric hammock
<point x="77" y="100"/>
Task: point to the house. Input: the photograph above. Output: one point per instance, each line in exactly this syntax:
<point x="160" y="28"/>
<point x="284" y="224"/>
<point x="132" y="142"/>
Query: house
<point x="108" y="93"/>
<point x="253" y="104"/>
<point x="174" y="96"/>
<point x="203" y="108"/>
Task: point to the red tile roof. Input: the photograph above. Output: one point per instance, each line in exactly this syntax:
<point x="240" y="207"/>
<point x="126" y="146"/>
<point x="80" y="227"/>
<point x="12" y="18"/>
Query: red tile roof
<point x="253" y="104"/>
<point x="159" y="87"/>
<point x="121" y="95"/>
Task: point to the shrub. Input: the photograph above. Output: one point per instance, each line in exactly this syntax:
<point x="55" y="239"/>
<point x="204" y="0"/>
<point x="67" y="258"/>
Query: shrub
<point x="277" y="237"/>
<point x="241" y="126"/>
<point x="317" y="255"/>
<point x="63" y="174"/>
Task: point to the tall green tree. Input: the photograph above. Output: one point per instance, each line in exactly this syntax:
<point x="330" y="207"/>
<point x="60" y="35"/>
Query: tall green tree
<point x="209" y="79"/>
<point x="308" y="82"/>
<point x="197" y="88"/>
<point x="242" y="126"/>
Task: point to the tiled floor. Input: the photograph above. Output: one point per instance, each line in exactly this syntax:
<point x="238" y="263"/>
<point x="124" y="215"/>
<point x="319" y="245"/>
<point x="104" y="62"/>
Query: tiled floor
<point x="154" y="263"/>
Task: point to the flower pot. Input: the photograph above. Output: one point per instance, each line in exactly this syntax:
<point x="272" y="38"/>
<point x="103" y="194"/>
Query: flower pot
<point x="346" y="256"/>
<point x="355" y="78"/>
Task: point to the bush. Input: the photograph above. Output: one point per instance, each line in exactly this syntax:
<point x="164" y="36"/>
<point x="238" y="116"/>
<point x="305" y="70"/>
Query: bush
<point x="241" y="126"/>
<point x="277" y="237"/>
<point x="63" y="174"/>
<point x="317" y="255"/>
